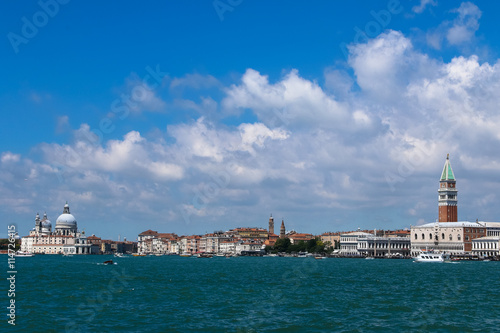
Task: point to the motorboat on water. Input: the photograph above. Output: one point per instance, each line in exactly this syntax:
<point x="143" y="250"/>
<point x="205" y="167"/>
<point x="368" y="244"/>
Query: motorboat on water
<point x="108" y="262"/>
<point x="19" y="254"/>
<point x="431" y="256"/>
<point x="204" y="255"/>
<point x="185" y="254"/>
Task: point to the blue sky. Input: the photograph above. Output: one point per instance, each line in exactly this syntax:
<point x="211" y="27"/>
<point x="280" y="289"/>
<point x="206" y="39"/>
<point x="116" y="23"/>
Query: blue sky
<point x="195" y="116"/>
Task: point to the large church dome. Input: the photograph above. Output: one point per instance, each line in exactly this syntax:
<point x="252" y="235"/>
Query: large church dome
<point x="66" y="220"/>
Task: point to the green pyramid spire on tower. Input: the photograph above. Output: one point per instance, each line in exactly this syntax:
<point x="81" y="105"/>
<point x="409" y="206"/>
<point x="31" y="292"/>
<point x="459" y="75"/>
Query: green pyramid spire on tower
<point x="447" y="171"/>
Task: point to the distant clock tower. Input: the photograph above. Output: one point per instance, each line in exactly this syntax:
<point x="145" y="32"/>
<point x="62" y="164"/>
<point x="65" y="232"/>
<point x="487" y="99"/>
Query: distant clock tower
<point x="447" y="194"/>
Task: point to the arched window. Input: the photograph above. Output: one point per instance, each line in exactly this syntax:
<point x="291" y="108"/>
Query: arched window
<point x="466" y="238"/>
<point x="416" y="237"/>
<point x="451" y="237"/>
<point x="458" y="237"/>
<point x="423" y="236"/>
<point x="442" y="236"/>
<point x="430" y="236"/>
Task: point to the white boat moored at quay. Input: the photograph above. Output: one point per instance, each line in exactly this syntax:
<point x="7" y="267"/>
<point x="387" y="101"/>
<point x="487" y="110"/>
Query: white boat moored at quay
<point x="19" y="254"/>
<point x="431" y="256"/>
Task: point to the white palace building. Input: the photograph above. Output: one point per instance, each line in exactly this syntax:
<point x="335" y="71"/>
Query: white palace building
<point x="448" y="234"/>
<point x="65" y="239"/>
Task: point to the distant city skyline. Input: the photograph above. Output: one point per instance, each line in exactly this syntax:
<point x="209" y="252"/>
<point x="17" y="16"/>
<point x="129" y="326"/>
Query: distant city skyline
<point x="189" y="118"/>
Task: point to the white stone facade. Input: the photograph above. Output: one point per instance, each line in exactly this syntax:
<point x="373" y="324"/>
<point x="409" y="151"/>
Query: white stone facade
<point x="349" y="243"/>
<point x="384" y="246"/>
<point x="65" y="237"/>
<point x="486" y="247"/>
<point x="451" y="237"/>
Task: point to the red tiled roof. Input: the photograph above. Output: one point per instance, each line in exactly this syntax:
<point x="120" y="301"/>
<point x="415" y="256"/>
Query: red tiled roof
<point x="148" y="233"/>
<point x="166" y="235"/>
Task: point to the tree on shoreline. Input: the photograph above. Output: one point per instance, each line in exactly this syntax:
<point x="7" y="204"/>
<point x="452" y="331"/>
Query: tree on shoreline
<point x="282" y="245"/>
<point x="314" y="245"/>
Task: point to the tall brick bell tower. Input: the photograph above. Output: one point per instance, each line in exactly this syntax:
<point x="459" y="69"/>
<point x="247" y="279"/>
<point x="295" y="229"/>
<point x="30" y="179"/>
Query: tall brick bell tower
<point x="271" y="225"/>
<point x="447" y="194"/>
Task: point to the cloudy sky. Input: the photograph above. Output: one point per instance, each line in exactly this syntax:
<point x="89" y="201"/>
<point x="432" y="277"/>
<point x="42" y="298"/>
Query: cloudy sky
<point x="195" y="116"/>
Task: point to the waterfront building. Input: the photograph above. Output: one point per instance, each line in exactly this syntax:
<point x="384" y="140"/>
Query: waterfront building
<point x="349" y="243"/>
<point x="492" y="228"/>
<point x="191" y="244"/>
<point x="80" y="246"/>
<point x="388" y="246"/>
<point x="297" y="237"/>
<point x="182" y="243"/>
<point x="250" y="233"/>
<point x="194" y="244"/>
<point x="249" y="247"/>
<point x="486" y="247"/>
<point x="332" y="237"/>
<point x="94" y="240"/>
<point x="105" y="246"/>
<point x="65" y="239"/>
<point x="271" y="240"/>
<point x="110" y="247"/>
<point x="174" y="246"/>
<point x="162" y="243"/>
<point x="144" y="241"/>
<point x="397" y="233"/>
<point x="449" y="235"/>
<point x="202" y="244"/>
<point x="213" y="241"/>
<point x="228" y="246"/>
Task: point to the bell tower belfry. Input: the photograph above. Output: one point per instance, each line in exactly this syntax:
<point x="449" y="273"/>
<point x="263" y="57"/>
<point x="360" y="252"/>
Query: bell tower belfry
<point x="282" y="229"/>
<point x="447" y="194"/>
<point x="271" y="225"/>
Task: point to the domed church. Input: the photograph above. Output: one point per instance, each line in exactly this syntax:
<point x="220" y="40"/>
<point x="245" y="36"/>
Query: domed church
<point x="66" y="223"/>
<point x="66" y="239"/>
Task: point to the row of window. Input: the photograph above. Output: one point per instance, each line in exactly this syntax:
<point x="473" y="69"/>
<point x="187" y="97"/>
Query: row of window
<point x="383" y="245"/>
<point x="474" y="230"/>
<point x="49" y="241"/>
<point x="483" y="245"/>
<point x="459" y="238"/>
<point x="451" y="197"/>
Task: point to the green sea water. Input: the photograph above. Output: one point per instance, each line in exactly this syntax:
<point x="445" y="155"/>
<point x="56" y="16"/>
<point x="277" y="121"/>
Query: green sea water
<point x="249" y="294"/>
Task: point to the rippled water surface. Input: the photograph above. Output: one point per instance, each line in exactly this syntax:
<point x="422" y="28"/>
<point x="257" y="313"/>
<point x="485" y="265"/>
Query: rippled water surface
<point x="245" y="294"/>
